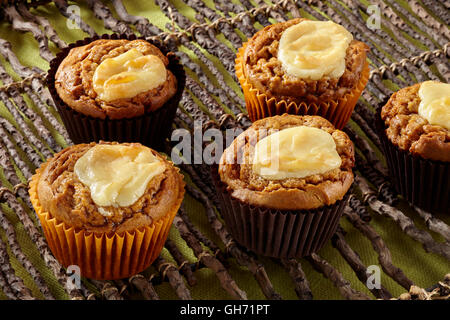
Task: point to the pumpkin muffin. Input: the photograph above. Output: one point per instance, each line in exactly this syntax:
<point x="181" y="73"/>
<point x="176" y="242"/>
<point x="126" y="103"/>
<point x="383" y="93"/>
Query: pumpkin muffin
<point x="107" y="207"/>
<point x="112" y="89"/>
<point x="284" y="183"/>
<point x="415" y="129"/>
<point x="303" y="67"/>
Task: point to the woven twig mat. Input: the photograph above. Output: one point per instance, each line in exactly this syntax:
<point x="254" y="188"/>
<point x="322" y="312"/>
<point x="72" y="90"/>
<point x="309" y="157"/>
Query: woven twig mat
<point x="410" y="248"/>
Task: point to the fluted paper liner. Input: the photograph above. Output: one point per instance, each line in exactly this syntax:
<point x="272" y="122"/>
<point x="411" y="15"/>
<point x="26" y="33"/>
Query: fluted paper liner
<point x="422" y="182"/>
<point x="150" y="129"/>
<point x="278" y="233"/>
<point x="259" y="105"/>
<point x="102" y="256"/>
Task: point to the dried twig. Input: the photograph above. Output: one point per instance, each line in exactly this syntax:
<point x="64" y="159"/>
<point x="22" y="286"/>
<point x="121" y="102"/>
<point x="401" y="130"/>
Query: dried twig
<point x="369" y="153"/>
<point x="35" y="235"/>
<point x="213" y="106"/>
<point x="20" y="291"/>
<point x="439" y="9"/>
<point x="209" y="260"/>
<point x="184" y="266"/>
<point x="353" y="259"/>
<point x="5" y="288"/>
<point x="297" y="274"/>
<point x="103" y="13"/>
<point x="384" y="254"/>
<point x="383" y="39"/>
<point x="38" y="123"/>
<point x="122" y="287"/>
<point x="440" y="291"/>
<point x="24" y="126"/>
<point x="170" y="271"/>
<point x="144" y="286"/>
<point x="63" y="7"/>
<point x="11" y="176"/>
<point x="23" y="260"/>
<point x="336" y="277"/>
<point x="255" y="267"/>
<point x="246" y="25"/>
<point x="18" y="23"/>
<point x="34" y="74"/>
<point x="260" y="16"/>
<point x="384" y="187"/>
<point x="211" y="15"/>
<point x="274" y="13"/>
<point x="142" y="24"/>
<point x="366" y="126"/>
<point x="435" y="224"/>
<point x="42" y="246"/>
<point x="439" y="37"/>
<point x="48" y="116"/>
<point x="39" y="20"/>
<point x="201" y="237"/>
<point x="199" y="34"/>
<point x="107" y="290"/>
<point x="404" y="222"/>
<point x="359" y="207"/>
<point x="7" y="130"/>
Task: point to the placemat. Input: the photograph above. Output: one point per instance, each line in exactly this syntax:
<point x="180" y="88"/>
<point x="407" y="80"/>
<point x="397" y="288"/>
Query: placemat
<point x="409" y="43"/>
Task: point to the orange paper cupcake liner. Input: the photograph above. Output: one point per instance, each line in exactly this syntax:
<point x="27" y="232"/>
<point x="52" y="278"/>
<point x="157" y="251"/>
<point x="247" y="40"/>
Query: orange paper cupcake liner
<point x="102" y="256"/>
<point x="259" y="105"/>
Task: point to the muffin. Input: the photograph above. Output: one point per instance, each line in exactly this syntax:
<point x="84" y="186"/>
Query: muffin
<point x="107" y="207"/>
<point x="113" y="89"/>
<point x="414" y="126"/>
<point x="302" y="67"/>
<point x="283" y="184"/>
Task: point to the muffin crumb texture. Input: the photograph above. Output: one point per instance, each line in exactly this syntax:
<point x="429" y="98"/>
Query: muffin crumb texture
<point x="74" y="80"/>
<point x="406" y="129"/>
<point x="68" y="200"/>
<point x="266" y="73"/>
<point x="236" y="169"/>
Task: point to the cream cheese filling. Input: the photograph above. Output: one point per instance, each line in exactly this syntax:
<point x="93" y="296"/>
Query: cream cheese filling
<point x="314" y="49"/>
<point x="295" y="152"/>
<point x="117" y="175"/>
<point x="127" y="75"/>
<point x="435" y="103"/>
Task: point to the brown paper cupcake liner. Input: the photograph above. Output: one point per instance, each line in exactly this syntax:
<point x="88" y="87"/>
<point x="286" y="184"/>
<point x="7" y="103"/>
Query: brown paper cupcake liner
<point x="150" y="129"/>
<point x="102" y="256"/>
<point x="259" y="105"/>
<point x="422" y="182"/>
<point x="278" y="233"/>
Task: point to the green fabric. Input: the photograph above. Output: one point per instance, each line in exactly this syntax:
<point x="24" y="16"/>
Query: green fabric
<point x="425" y="269"/>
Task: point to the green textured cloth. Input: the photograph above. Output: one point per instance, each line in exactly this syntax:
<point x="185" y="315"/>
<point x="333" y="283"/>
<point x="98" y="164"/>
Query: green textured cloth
<point x="425" y="269"/>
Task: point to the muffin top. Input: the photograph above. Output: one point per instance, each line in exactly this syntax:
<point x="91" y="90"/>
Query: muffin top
<point x="289" y="162"/>
<point x="304" y="61"/>
<point x="115" y="78"/>
<point x="109" y="187"/>
<point x="417" y="120"/>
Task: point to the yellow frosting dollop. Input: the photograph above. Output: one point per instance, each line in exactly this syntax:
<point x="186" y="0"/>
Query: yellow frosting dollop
<point x="435" y="103"/>
<point x="117" y="175"/>
<point x="314" y="49"/>
<point x="295" y="152"/>
<point x="127" y="75"/>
